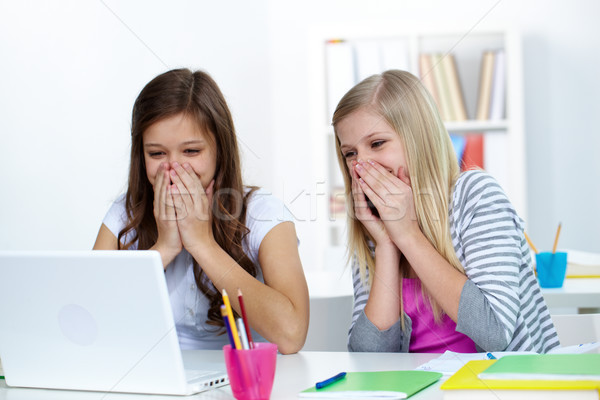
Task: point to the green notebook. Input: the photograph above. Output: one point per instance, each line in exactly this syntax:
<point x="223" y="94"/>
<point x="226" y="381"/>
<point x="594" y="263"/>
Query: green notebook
<point x="388" y="384"/>
<point x="545" y="367"/>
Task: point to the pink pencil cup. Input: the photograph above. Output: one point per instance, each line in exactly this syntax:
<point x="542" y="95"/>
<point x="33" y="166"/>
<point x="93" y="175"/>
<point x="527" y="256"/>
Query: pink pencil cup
<point x="251" y="372"/>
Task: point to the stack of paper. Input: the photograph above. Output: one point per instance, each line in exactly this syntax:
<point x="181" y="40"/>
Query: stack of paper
<point x="450" y="362"/>
<point x="582" y="264"/>
<point x="531" y="377"/>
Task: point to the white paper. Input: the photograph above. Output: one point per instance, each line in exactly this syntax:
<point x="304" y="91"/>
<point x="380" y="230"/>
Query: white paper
<point x="450" y="362"/>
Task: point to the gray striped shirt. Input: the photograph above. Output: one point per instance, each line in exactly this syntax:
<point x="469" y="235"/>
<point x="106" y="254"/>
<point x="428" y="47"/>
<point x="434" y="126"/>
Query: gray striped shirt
<point x="501" y="306"/>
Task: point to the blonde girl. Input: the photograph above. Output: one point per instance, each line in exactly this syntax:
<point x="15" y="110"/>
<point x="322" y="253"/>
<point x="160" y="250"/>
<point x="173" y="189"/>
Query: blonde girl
<point x="439" y="258"/>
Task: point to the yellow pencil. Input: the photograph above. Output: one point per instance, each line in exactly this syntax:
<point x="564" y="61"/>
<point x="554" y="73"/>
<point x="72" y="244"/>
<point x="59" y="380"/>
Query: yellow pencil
<point x="530" y="243"/>
<point x="556" y="238"/>
<point x="234" y="331"/>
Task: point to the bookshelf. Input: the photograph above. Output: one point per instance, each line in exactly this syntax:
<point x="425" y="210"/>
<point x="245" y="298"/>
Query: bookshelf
<point x="373" y="48"/>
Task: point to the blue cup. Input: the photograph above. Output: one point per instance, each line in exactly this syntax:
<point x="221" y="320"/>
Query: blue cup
<point x="551" y="269"/>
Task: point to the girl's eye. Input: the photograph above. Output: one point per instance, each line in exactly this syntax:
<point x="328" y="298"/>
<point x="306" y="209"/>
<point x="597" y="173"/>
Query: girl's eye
<point x="377" y="143"/>
<point x="155" y="154"/>
<point x="349" y="154"/>
<point x="192" y="151"/>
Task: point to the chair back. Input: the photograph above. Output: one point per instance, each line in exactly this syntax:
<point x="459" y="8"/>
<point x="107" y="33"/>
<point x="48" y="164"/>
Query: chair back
<point x="330" y="319"/>
<point x="574" y="329"/>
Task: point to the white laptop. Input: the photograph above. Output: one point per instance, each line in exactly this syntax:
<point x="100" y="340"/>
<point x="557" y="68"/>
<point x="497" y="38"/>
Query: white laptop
<point x="93" y="320"/>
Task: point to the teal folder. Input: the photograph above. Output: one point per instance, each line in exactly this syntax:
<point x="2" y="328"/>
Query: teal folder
<point x="395" y="384"/>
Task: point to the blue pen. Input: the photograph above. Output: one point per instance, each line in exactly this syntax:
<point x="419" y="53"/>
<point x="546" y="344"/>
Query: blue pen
<point x="331" y="380"/>
<point x="491" y="356"/>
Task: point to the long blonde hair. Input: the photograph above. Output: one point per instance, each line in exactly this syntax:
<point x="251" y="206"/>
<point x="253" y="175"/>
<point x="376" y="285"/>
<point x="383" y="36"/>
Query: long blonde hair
<point x="404" y="103"/>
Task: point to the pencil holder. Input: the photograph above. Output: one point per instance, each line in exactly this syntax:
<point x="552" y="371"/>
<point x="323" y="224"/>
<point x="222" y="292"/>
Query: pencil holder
<point x="251" y="372"/>
<point x="551" y="269"/>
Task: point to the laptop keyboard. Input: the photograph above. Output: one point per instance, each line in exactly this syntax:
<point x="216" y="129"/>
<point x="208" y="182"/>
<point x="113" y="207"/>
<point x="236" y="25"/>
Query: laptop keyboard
<point x="194" y="376"/>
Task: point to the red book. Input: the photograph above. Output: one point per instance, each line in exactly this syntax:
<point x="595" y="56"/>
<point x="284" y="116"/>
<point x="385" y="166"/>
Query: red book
<point x="473" y="153"/>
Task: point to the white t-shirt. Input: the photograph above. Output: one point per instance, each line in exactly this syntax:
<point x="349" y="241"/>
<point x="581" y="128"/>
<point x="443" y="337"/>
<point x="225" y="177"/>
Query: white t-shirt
<point x="189" y="305"/>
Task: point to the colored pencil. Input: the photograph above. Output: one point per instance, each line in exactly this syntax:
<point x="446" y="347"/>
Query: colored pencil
<point x="242" y="331"/>
<point x="530" y="243"/>
<point x="234" y="332"/>
<point x="556" y="238"/>
<point x="226" y="322"/>
<point x="246" y="324"/>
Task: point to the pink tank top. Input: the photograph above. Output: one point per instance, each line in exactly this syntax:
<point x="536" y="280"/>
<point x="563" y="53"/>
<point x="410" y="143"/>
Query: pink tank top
<point x="427" y="336"/>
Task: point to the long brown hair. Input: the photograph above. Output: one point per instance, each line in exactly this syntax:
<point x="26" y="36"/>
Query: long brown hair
<point x="194" y="94"/>
<point x="404" y="103"/>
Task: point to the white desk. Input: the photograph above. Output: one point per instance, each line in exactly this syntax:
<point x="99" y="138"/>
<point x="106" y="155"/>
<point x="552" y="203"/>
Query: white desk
<point x="576" y="293"/>
<point x="294" y="373"/>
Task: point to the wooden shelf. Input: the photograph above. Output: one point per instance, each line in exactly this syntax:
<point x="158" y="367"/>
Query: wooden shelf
<point x="474" y="126"/>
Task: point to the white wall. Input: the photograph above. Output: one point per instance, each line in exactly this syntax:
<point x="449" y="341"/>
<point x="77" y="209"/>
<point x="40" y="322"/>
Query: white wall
<point x="561" y="57"/>
<point x="71" y="70"/>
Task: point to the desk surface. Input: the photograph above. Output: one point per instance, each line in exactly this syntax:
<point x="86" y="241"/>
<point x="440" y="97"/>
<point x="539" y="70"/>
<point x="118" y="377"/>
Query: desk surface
<point x="294" y="373"/>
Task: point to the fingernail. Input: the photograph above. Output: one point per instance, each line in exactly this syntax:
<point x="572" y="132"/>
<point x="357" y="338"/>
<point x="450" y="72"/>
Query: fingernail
<point x="175" y="164"/>
<point x="359" y="167"/>
<point x="371" y="162"/>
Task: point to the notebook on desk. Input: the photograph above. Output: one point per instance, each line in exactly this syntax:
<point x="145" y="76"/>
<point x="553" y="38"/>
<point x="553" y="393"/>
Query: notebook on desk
<point x="93" y="320"/>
